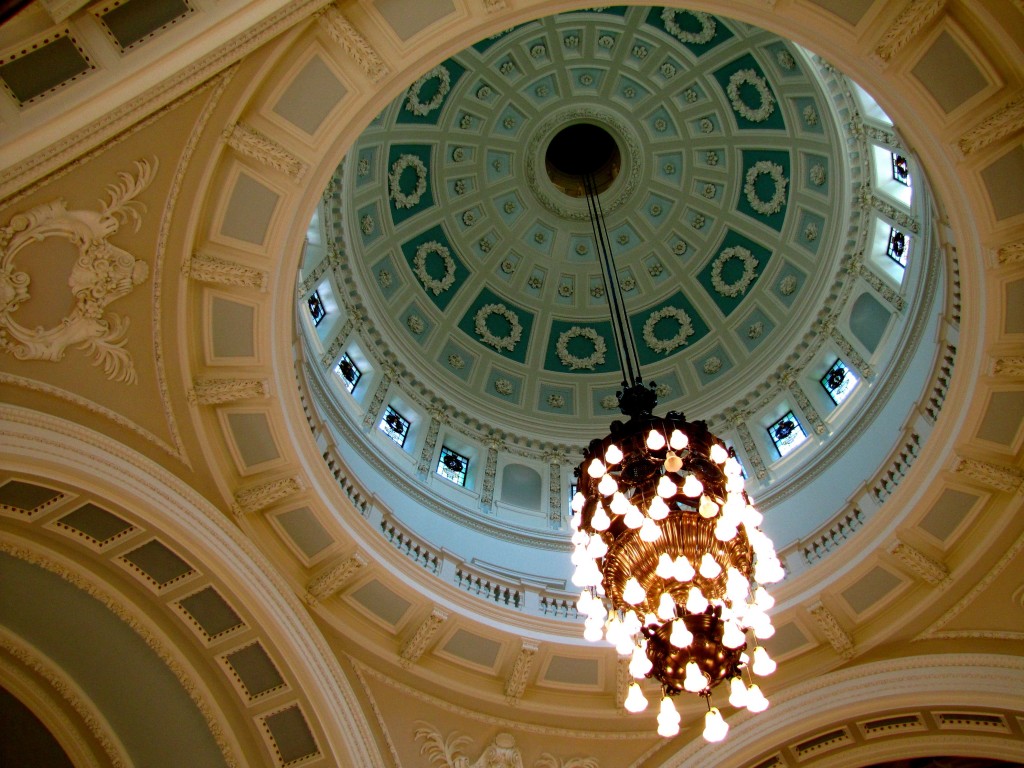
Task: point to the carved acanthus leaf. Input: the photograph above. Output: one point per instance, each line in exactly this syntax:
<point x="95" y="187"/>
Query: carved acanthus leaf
<point x="332" y="579"/>
<point x="217" y="391"/>
<point x="1011" y="254"/>
<point x="913" y="19"/>
<point x="994" y="476"/>
<point x="919" y="563"/>
<point x="516" y="682"/>
<point x="213" y="269"/>
<point x="837" y="637"/>
<point x="1007" y="121"/>
<point x="1009" y="366"/>
<point x="257" y="497"/>
<point x="425" y="632"/>
<point x="253" y="143"/>
<point x="354" y="44"/>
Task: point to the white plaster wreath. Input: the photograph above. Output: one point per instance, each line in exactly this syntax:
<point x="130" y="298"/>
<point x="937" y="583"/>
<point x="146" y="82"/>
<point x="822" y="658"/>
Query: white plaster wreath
<point x="707" y="26"/>
<point x="515" y="331"/>
<point x="573" y="362"/>
<point x="420" y="267"/>
<point x="740" y="285"/>
<point x="680" y="339"/>
<point x="400" y="198"/>
<point x="744" y="110"/>
<point x="774" y="205"/>
<point x="421" y="108"/>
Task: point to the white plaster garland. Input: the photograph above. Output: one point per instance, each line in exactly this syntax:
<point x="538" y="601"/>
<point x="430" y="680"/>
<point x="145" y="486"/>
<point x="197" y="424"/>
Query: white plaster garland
<point x="573" y="362"/>
<point x="400" y="198"/>
<point x="740" y="285"/>
<point x="515" y="332"/>
<point x="418" y="107"/>
<point x="681" y="337"/>
<point x="774" y="170"/>
<point x="707" y="26"/>
<point x="744" y="110"/>
<point x="420" y="267"/>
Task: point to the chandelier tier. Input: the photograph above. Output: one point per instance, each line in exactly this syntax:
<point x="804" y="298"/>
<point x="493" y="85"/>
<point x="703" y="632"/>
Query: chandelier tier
<point x="667" y="548"/>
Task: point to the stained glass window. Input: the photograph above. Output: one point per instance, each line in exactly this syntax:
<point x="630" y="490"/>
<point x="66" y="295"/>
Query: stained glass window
<point x="838" y="381"/>
<point x="452" y="465"/>
<point x="787" y="433"/>
<point x="900" y="169"/>
<point x="349" y="372"/>
<point x="316" y="307"/>
<point x="395" y="425"/>
<point x="897" y="247"/>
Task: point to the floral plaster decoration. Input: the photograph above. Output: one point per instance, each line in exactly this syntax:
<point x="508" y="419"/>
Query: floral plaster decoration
<point x="707" y="22"/>
<point x="755" y="329"/>
<point x="764" y="110"/>
<point x="818" y="174"/>
<point x="787" y="285"/>
<point x="503" y="387"/>
<point x="432" y="284"/>
<point x="609" y="402"/>
<point x="556" y="401"/>
<point x="773" y="170"/>
<point x="740" y="285"/>
<point x="456" y="361"/>
<point x="515" y="331"/>
<point x="101" y="274"/>
<point x="384" y="278"/>
<point x="682" y="334"/>
<point x="712" y="365"/>
<point x="573" y="362"/>
<point x="786" y="60"/>
<point x="413" y="102"/>
<point x="810" y="115"/>
<point x="662" y="391"/>
<point x="398" y="197"/>
<point x="415" y="324"/>
<point x="367" y="225"/>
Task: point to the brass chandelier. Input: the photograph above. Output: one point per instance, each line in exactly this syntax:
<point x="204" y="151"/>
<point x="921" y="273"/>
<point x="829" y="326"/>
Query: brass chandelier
<point x="667" y="548"/>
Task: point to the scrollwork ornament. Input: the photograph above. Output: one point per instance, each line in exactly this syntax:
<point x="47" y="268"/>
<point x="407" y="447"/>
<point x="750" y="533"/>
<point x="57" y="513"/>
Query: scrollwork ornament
<point x="398" y="197"/>
<point x="421" y="108"/>
<point x="574" y="362"/>
<point x="708" y="26"/>
<point x="432" y="284"/>
<point x="681" y="336"/>
<point x="740" y="285"/>
<point x="744" y="110"/>
<point x="101" y="274"/>
<point x="515" y="332"/>
<point x="775" y="171"/>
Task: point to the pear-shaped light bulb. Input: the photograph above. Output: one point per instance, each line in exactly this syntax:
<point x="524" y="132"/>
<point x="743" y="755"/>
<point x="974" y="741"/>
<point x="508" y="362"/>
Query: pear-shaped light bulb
<point x="678" y="440"/>
<point x="692" y="487"/>
<point x="579" y="553"/>
<point x="666" y="607"/>
<point x="657" y="509"/>
<point x="619" y="504"/>
<point x="635" y="700"/>
<point x="596" y="548"/>
<point x="756" y="701"/>
<point x="737" y="693"/>
<point x="715" y="726"/>
<point x="576" y="520"/>
<point x="613" y="455"/>
<point x="724" y="531"/>
<point x="607" y="486"/>
<point x="613" y="630"/>
<point x="707" y="507"/>
<point x="600" y="521"/>
<point x="650" y="619"/>
<point x="732" y="636"/>
<point x="580" y="538"/>
<point x="631" y="623"/>
<point x="763" y="664"/>
<point x="578" y="500"/>
<point x="672" y="462"/>
<point x="592" y="633"/>
<point x="649" y="530"/>
<point x="655" y="440"/>
<point x="633" y="593"/>
<point x="583" y="602"/>
<point x="596" y="469"/>
<point x="587" y="574"/>
<point x="680" y="636"/>
<point x="764" y="629"/>
<point x="709" y="567"/>
<point x="732" y="467"/>
<point x="640" y="665"/>
<point x="682" y="569"/>
<point x="762" y="599"/>
<point x="664" y="568"/>
<point x="751" y="517"/>
<point x="736" y="586"/>
<point x="633" y="518"/>
<point x="718" y="454"/>
<point x="695" y="601"/>
<point x="668" y="719"/>
<point x="625" y="645"/>
<point x="666" y="489"/>
<point x="694" y="680"/>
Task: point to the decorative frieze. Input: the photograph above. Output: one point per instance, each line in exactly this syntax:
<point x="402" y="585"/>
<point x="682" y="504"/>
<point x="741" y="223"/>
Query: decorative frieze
<point x="998" y="477"/>
<point x="213" y="269"/>
<point x="253" y="143"/>
<point x="257" y="497"/>
<point x="1009" y="366"/>
<point x="515" y="684"/>
<point x="867" y="199"/>
<point x="415" y="647"/>
<point x="901" y="31"/>
<point x="437" y="417"/>
<point x="919" y="563"/>
<point x="341" y="31"/>
<point x="556" y="501"/>
<point x="837" y="637"/>
<point x="331" y="580"/>
<point x="803" y="402"/>
<point x="217" y="391"/>
<point x="1011" y="254"/>
<point x="490" y="472"/>
<point x="739" y="421"/>
<point x="882" y="288"/>
<point x="1006" y="122"/>
<point x="850" y="354"/>
<point x="622" y="680"/>
<point x="333" y="350"/>
<point x="493" y="6"/>
<point x="373" y="409"/>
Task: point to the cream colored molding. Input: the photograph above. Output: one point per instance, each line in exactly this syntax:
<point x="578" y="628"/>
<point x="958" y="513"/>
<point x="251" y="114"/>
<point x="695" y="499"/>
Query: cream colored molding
<point x="253" y="143"/>
<point x="493" y="6"/>
<point x="102" y="274"/>
<point x="418" y="643"/>
<point x="257" y="497"/>
<point x="65" y="687"/>
<point x="789" y="378"/>
<point x="213" y="269"/>
<point x="999" y="125"/>
<point x="739" y="422"/>
<point x="59" y="10"/>
<point x="1009" y="366"/>
<point x="354" y="44"/>
<point x="217" y="391"/>
<point x="866" y="199"/>
<point x="1011" y="254"/>
<point x="919" y="563"/>
<point x="880" y="286"/>
<point x="996" y="476"/>
<point x="515" y="683"/>
<point x="334" y="577"/>
<point x="622" y="680"/>
<point x="911" y="21"/>
<point x="502" y="752"/>
<point x="837" y="637"/>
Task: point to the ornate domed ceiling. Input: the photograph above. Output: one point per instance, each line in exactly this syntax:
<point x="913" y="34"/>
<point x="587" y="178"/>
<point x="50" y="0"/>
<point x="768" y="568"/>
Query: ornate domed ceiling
<point x="480" y="274"/>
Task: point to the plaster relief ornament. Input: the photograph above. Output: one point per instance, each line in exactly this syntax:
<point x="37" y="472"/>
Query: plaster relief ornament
<point x="432" y="284"/>
<point x="398" y="197"/>
<point x="740" y="285"/>
<point x="413" y="102"/>
<point x="609" y="402"/>
<point x="101" y="274"/>
<point x="706" y="21"/>
<point x="515" y="329"/>
<point x="749" y="77"/>
<point x="818" y="174"/>
<point x="682" y="334"/>
<point x="573" y="362"/>
<point x="502" y="752"/>
<point x="503" y="387"/>
<point x="773" y="170"/>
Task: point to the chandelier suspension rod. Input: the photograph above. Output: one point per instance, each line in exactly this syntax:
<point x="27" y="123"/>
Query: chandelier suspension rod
<point x="625" y="343"/>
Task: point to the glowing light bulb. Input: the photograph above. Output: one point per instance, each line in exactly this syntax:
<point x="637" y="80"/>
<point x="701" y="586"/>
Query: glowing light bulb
<point x="619" y="504"/>
<point x="613" y="631"/>
<point x="751" y="517"/>
<point x="664" y="569"/>
<point x="596" y="469"/>
<point x="768" y="571"/>
<point x="736" y="586"/>
<point x="613" y="455"/>
<point x="718" y="454"/>
<point x="678" y="440"/>
<point x="764" y="629"/>
<point x="607" y="486"/>
<point x="655" y="440"/>
<point x="733" y="508"/>
<point x="631" y="623"/>
<point x="578" y="500"/>
<point x="763" y="664"/>
<point x="633" y="518"/>
<point x="576" y="521"/>
<point x="666" y="607"/>
<point x="737" y="693"/>
<point x="666" y="488"/>
<point x="694" y="680"/>
<point x="695" y="601"/>
<point x="715" y="726"/>
<point x="668" y="719"/>
<point x="635" y="700"/>
<point x="756" y="701"/>
<point x="583" y="602"/>
<point x="649" y="530"/>
<point x="709" y="567"/>
<point x="578" y="554"/>
<point x="680" y="636"/>
<point x="733" y="467"/>
<point x="625" y="645"/>
<point x="672" y="462"/>
<point x="580" y="537"/>
<point x="682" y="570"/>
<point x="724" y="531"/>
<point x="633" y="593"/>
<point x="592" y="633"/>
<point x="587" y="574"/>
<point x="640" y="665"/>
<point x="733" y="636"/>
<point x="658" y="509"/>
<point x="762" y="599"/>
<point x="597" y="548"/>
<point x="692" y="487"/>
<point x="600" y="521"/>
<point x="650" y="619"/>
<point x="707" y="507"/>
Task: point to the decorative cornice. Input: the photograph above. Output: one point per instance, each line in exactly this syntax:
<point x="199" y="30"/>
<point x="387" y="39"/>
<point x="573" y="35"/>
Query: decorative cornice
<point x="1011" y="254"/>
<point x="258" y="497"/>
<point x="418" y="643"/>
<point x="334" y="577"/>
<point x="999" y="125"/>
<point x="354" y="44"/>
<point x="1009" y="366"/>
<point x="213" y="269"/>
<point x="919" y="563"/>
<point x="996" y="476"/>
<point x="253" y="143"/>
<point x="901" y="31"/>
<point x="837" y="637"/>
<point x="515" y="683"/>
<point x="217" y="391"/>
